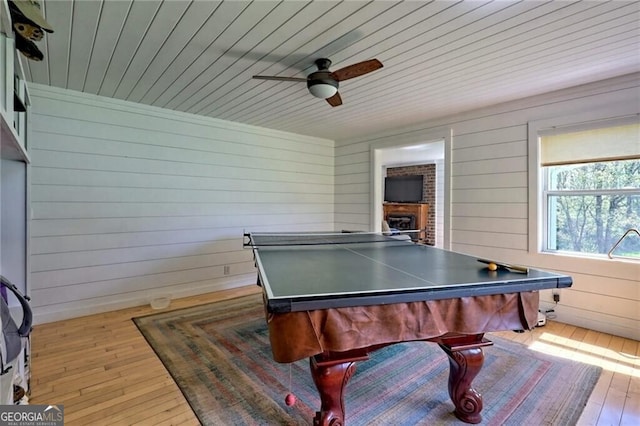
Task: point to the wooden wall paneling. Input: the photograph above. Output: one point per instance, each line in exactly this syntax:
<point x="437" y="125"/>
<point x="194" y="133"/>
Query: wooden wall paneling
<point x="61" y="260"/>
<point x="491" y="210"/>
<point x="504" y="225"/>
<point x="491" y="180"/>
<point x="458" y="168"/>
<point x="129" y="200"/>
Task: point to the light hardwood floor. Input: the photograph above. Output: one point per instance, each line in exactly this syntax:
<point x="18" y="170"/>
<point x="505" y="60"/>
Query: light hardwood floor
<point x="102" y="370"/>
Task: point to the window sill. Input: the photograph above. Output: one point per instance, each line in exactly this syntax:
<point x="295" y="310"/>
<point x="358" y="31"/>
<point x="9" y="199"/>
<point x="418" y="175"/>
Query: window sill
<point x="598" y="265"/>
<point x="591" y="256"/>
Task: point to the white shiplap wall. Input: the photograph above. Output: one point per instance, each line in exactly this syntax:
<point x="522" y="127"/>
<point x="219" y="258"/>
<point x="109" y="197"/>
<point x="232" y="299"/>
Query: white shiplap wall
<point x="130" y="201"/>
<point x="489" y="196"/>
<point x="352" y="190"/>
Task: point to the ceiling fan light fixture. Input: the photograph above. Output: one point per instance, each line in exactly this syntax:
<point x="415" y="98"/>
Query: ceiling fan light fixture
<point x="322" y="88"/>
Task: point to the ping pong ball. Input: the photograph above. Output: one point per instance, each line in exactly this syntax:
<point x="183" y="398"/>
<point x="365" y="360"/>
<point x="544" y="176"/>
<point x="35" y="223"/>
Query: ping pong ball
<point x="290" y="399"/>
<point x="492" y="267"/>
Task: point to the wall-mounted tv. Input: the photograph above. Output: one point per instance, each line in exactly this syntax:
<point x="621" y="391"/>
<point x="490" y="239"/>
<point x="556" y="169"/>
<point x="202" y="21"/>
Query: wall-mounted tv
<point x="403" y="189"/>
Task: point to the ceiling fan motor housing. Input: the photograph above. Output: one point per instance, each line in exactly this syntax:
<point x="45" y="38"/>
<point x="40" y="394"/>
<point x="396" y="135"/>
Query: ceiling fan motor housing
<point x="322" y="85"/>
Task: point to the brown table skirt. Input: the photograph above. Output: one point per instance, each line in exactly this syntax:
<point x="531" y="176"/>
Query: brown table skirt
<point x="298" y="335"/>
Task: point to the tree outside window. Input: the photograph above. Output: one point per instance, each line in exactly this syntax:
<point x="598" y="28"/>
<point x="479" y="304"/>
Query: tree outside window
<point x="590" y="206"/>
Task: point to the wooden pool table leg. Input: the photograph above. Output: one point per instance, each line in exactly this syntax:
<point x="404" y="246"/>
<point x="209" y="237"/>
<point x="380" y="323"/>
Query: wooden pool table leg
<point x="330" y="378"/>
<point x="465" y="361"/>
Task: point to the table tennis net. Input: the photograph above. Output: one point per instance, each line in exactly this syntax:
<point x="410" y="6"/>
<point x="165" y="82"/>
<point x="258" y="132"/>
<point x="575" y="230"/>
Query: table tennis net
<point x="305" y="239"/>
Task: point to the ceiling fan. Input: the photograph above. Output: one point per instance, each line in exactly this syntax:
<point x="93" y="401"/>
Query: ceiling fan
<point x="324" y="83"/>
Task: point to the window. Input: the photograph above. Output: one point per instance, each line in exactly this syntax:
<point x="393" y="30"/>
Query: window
<point x="591" y="188"/>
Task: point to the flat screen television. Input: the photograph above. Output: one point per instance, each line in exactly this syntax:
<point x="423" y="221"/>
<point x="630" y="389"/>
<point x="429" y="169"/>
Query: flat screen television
<point x="403" y="189"/>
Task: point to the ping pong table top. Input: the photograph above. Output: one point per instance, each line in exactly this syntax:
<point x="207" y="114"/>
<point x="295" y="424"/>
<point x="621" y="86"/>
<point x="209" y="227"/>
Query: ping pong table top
<point x="309" y="271"/>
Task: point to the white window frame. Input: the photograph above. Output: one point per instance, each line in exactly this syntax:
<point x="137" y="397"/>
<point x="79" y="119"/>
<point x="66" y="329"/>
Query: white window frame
<point x="547" y="193"/>
<point x="537" y="195"/>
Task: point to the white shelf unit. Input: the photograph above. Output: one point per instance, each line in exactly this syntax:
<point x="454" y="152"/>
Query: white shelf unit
<point x="12" y="85"/>
<point x="14" y="188"/>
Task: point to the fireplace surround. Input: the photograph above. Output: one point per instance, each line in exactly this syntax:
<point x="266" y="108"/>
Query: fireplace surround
<point x="408" y="216"/>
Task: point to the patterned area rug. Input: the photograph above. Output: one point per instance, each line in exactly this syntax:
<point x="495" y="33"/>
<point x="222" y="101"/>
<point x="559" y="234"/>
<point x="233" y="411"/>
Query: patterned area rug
<point x="219" y="356"/>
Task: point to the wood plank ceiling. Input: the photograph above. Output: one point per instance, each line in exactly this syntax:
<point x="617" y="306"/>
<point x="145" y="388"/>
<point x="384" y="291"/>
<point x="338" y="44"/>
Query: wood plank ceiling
<point x="440" y="57"/>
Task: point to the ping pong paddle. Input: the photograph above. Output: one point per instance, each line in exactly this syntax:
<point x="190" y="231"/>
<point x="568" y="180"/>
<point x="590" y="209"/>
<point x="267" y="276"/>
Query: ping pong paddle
<point x="512" y="268"/>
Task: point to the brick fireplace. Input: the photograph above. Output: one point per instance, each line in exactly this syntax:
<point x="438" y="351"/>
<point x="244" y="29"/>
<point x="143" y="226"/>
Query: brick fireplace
<point x="428" y="192"/>
<point x="407" y="217"/>
<point x="401" y="222"/>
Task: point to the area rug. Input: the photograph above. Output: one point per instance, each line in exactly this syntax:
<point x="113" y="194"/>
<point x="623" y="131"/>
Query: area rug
<point x="219" y="355"/>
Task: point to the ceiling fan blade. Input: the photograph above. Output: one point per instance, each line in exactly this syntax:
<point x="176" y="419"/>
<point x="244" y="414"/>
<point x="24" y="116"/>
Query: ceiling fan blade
<point x="335" y="100"/>
<point x="356" y="70"/>
<point x="269" y="77"/>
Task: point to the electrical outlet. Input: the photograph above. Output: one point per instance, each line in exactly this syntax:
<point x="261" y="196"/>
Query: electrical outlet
<point x="226" y="270"/>
<point x="556" y="297"/>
